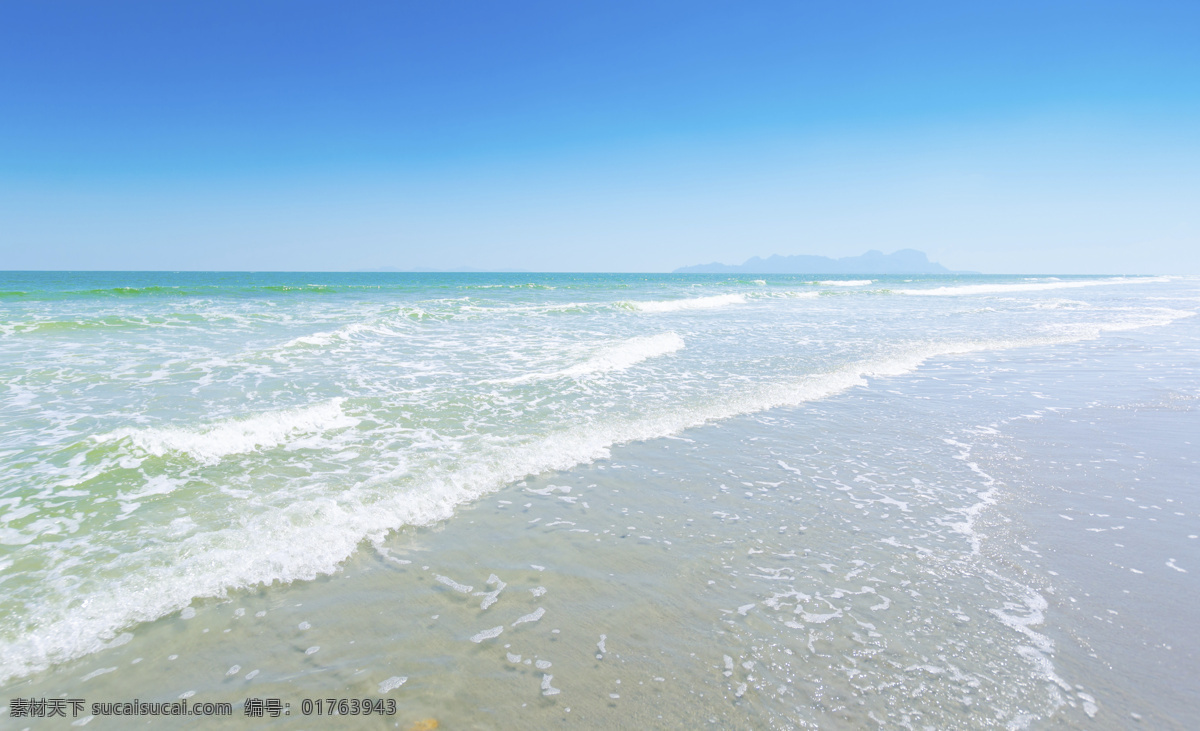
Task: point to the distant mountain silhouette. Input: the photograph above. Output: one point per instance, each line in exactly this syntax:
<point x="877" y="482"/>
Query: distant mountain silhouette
<point x="905" y="261"/>
<point x="459" y="270"/>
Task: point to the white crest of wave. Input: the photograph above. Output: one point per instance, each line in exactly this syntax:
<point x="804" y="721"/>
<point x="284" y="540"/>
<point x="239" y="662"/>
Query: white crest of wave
<point x="845" y="282"/>
<point x="791" y="294"/>
<point x="262" y="431"/>
<point x="1025" y="286"/>
<point x="617" y="357"/>
<point x="312" y="537"/>
<point x="693" y="303"/>
<point x="628" y="353"/>
<point x="321" y="339"/>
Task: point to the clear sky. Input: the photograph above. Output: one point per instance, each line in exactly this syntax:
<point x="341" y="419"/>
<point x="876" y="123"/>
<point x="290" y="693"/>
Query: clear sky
<point x="1000" y="136"/>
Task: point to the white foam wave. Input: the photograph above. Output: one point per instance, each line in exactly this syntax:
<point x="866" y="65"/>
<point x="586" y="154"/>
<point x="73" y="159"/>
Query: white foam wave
<point x="987" y="498"/>
<point x="323" y="339"/>
<point x="1023" y="617"/>
<point x="618" y="357"/>
<point x="999" y="288"/>
<point x="807" y="294"/>
<point x="628" y="353"/>
<point x="388" y="326"/>
<point x="211" y="443"/>
<point x="313" y="537"/>
<point x="845" y="282"/>
<point x="693" y="303"/>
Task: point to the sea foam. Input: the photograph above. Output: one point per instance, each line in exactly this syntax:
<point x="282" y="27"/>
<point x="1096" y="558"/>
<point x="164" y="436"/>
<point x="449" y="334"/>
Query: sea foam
<point x="692" y="303"/>
<point x="1006" y="288"/>
<point x="211" y="443"/>
<point x="617" y="357"/>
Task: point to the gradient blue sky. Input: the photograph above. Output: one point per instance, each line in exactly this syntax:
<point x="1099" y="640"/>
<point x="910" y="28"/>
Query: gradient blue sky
<point x="999" y="136"/>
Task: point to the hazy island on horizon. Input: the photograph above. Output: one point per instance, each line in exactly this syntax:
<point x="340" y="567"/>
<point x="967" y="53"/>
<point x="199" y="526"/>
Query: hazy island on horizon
<point x="904" y="261"/>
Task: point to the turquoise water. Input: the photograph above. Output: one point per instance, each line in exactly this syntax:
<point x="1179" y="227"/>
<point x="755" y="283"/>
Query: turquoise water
<point x="174" y="444"/>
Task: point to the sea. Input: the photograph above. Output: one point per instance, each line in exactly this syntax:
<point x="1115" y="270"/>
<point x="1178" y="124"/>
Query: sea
<point x="500" y="501"/>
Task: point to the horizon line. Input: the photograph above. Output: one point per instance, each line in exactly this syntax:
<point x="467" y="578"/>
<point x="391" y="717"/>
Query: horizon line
<point x="523" y="271"/>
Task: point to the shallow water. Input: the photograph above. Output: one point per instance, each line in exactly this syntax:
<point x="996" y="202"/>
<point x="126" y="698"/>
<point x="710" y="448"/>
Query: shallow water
<point x="790" y="502"/>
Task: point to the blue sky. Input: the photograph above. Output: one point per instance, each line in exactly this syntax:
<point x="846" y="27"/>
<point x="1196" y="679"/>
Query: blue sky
<point x="598" y="136"/>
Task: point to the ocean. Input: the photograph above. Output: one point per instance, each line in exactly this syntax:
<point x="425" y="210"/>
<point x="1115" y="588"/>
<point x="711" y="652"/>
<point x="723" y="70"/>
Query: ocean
<point x="601" y="500"/>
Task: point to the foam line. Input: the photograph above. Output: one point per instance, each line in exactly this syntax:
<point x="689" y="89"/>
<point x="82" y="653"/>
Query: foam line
<point x="693" y="303"/>
<point x="617" y="357"/>
<point x="967" y="289"/>
<point x="233" y="436"/>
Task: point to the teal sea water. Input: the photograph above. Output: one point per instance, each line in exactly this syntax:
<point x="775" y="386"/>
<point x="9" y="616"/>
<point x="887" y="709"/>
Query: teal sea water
<point x="525" y="500"/>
